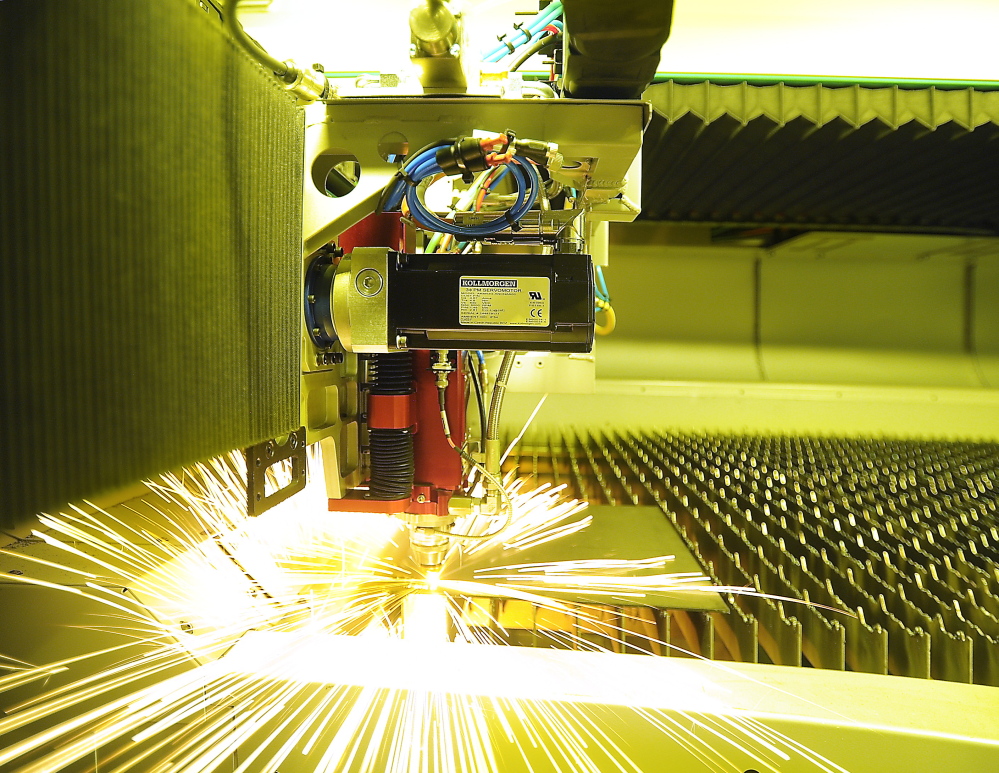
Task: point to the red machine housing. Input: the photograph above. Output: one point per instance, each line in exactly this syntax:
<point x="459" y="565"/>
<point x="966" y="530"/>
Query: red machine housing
<point x="438" y="467"/>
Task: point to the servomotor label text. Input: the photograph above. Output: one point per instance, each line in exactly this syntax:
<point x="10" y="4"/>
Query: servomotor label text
<point x="506" y="301"/>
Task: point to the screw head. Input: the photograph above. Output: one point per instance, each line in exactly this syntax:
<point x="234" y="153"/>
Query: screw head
<point x="369" y="282"/>
<point x="294" y="440"/>
<point x="271" y="449"/>
<point x="421" y="498"/>
<point x="455" y="50"/>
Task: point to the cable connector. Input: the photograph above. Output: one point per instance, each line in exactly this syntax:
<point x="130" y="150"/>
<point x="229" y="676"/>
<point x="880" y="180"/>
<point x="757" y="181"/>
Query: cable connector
<point x="441" y="366"/>
<point x="469" y="154"/>
<point x="464" y="156"/>
<point x="541" y="153"/>
<point x="308" y="85"/>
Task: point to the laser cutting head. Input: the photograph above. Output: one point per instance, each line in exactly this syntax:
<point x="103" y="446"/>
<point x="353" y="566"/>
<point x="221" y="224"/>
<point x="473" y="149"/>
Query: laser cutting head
<point x="428" y="548"/>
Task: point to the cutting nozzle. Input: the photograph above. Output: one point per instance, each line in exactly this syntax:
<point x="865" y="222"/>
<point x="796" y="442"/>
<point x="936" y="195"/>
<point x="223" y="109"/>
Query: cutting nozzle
<point x="429" y="547"/>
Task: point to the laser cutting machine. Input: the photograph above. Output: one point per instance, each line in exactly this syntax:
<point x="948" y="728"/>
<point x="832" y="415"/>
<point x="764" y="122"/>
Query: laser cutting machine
<point x="214" y="249"/>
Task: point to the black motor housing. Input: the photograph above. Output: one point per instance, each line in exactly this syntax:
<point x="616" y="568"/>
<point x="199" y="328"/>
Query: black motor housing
<point x="519" y="302"/>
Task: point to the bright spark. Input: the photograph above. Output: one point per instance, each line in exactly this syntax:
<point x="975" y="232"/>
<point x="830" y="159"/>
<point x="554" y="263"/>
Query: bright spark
<point x="300" y="638"/>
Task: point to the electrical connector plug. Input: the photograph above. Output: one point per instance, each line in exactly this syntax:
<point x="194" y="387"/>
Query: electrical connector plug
<point x="541" y="153"/>
<point x="464" y="156"/>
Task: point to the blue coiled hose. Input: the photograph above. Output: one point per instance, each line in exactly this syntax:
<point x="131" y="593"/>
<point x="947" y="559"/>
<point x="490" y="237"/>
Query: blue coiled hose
<point x="424" y="164"/>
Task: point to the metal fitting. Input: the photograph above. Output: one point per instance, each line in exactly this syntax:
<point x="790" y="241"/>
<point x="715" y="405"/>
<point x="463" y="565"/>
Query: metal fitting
<point x="463" y="505"/>
<point x="358" y="300"/>
<point x="441" y="366"/>
<point x="436" y="35"/>
<point x="429" y="547"/>
<point x="307" y="85"/>
<point x="494" y="451"/>
<point x="543" y="153"/>
<point x="434" y="29"/>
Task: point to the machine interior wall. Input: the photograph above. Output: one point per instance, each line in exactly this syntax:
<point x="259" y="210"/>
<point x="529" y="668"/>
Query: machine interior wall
<point x="827" y="333"/>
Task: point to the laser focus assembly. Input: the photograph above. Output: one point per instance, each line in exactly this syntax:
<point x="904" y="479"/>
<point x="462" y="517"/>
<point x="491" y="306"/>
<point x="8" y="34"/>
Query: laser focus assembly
<point x="404" y="301"/>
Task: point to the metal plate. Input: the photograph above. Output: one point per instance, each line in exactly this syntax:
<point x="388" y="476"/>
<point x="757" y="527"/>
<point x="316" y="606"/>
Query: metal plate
<point x="828" y="721"/>
<point x="260" y="458"/>
<point x="616" y="533"/>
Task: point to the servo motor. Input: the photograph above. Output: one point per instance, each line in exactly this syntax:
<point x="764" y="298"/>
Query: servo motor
<point x="385" y="301"/>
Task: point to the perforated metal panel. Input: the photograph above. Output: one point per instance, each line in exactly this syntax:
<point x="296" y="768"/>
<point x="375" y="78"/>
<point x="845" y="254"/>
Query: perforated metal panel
<point x="881" y="554"/>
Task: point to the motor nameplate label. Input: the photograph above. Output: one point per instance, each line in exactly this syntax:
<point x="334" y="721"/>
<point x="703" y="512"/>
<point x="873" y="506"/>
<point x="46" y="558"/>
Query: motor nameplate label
<point x="504" y="300"/>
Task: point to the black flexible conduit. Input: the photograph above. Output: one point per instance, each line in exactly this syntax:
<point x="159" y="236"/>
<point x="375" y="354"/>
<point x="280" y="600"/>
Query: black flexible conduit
<point x="256" y="50"/>
<point x="392" y="464"/>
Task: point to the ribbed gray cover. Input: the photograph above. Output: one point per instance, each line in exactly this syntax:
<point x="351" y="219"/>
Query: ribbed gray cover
<point x="150" y="229"/>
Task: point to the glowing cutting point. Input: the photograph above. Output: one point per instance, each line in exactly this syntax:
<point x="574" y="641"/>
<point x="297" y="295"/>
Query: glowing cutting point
<point x="425" y="618"/>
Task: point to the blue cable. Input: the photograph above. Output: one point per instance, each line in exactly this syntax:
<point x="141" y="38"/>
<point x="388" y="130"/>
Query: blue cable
<point x="504" y="170"/>
<point x="424" y="164"/>
<point x="534" y="27"/>
<point x="528" y="184"/>
<point x="602" y="285"/>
